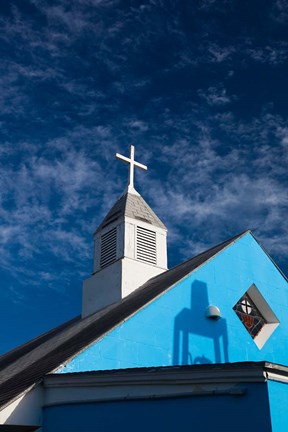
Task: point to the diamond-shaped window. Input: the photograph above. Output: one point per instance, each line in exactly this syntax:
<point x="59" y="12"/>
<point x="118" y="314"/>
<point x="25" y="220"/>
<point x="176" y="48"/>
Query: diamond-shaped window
<point x="256" y="316"/>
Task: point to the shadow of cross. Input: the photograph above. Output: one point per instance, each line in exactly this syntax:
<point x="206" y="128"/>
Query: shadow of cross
<point x="194" y="322"/>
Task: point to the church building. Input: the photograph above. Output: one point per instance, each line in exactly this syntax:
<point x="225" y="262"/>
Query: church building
<point x="196" y="347"/>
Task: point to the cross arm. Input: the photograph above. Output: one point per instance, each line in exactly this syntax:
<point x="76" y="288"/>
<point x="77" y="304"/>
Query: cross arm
<point x="125" y="159"/>
<point x="119" y="156"/>
<point x="139" y="165"/>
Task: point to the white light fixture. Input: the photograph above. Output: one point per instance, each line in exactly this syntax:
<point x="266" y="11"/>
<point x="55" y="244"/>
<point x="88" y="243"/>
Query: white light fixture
<point x="213" y="312"/>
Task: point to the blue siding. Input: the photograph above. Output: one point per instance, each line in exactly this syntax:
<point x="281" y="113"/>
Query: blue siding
<point x="173" y="328"/>
<point x="226" y="414"/>
<point x="278" y="398"/>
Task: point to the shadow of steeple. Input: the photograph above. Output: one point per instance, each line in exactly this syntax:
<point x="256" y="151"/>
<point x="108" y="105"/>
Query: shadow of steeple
<point x="194" y="322"/>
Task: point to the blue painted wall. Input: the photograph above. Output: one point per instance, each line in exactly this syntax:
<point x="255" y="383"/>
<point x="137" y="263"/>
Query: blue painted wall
<point x="278" y="398"/>
<point x="226" y="414"/>
<point x="173" y="329"/>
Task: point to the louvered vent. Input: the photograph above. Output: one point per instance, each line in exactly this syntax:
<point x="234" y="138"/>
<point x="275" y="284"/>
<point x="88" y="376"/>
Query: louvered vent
<point x="146" y="245"/>
<point x="108" y="248"/>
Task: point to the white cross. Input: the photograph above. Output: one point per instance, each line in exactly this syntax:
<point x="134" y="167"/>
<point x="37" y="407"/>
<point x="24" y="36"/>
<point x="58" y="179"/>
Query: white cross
<point x="132" y="163"/>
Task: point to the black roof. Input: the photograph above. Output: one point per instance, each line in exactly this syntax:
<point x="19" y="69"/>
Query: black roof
<point x="27" y="364"/>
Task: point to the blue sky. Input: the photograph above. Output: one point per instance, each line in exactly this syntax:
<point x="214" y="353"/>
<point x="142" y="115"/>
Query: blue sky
<point x="200" y="89"/>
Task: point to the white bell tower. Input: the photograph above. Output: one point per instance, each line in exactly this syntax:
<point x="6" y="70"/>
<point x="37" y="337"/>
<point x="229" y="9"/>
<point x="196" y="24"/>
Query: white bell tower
<point x="130" y="247"/>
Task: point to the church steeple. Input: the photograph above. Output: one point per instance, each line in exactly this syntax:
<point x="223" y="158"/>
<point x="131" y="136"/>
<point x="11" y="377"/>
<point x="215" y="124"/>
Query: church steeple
<point x="130" y="247"/>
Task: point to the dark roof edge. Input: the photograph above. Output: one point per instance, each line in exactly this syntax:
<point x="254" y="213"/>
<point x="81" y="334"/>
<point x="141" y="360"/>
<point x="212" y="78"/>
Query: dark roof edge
<point x="240" y="371"/>
<point x="202" y="366"/>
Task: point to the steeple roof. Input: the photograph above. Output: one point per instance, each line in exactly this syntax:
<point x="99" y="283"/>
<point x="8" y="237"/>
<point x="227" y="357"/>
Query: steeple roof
<point x="131" y="205"/>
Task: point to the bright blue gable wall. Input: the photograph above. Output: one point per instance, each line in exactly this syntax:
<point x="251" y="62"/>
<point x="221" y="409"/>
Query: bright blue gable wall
<point x="154" y="335"/>
<point x="278" y="399"/>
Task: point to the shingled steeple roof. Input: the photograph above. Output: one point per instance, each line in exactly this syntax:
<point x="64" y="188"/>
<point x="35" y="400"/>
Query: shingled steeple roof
<point x="131" y="205"/>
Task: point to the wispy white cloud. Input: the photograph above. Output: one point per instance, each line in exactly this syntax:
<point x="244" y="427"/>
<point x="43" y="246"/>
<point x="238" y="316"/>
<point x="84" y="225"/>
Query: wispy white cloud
<point x="216" y="95"/>
<point x="44" y="202"/>
<point x="218" y="54"/>
<point x="139" y="125"/>
<point x="272" y="55"/>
